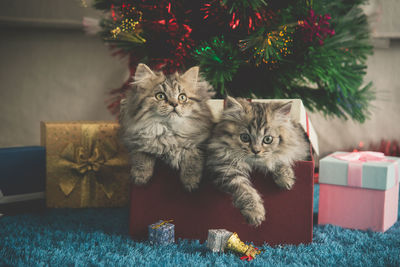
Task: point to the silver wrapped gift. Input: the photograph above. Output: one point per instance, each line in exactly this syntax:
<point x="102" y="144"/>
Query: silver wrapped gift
<point x="217" y="239"/>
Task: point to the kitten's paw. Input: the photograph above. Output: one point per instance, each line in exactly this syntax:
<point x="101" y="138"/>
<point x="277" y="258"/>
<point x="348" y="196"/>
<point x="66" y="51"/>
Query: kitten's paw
<point x="285" y="183"/>
<point x="191" y="184"/>
<point x="140" y="177"/>
<point x="254" y="216"/>
<point x="190" y="178"/>
<point x="285" y="178"/>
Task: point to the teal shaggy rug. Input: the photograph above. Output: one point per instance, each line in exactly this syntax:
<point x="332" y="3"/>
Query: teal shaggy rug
<point x="99" y="237"/>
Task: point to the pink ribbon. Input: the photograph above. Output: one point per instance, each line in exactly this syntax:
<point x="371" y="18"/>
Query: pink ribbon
<point x="356" y="160"/>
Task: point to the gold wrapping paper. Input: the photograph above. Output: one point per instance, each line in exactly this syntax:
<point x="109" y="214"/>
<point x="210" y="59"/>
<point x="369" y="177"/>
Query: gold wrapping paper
<point x="86" y="165"/>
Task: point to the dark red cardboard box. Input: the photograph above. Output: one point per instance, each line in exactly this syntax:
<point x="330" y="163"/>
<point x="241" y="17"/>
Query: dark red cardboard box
<point x="289" y="214"/>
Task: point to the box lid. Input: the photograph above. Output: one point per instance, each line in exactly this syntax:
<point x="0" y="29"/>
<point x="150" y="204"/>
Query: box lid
<point x="380" y="175"/>
<point x="297" y="113"/>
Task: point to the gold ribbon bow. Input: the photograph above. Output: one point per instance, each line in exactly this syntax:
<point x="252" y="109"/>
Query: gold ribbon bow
<point x="161" y="224"/>
<point x="92" y="163"/>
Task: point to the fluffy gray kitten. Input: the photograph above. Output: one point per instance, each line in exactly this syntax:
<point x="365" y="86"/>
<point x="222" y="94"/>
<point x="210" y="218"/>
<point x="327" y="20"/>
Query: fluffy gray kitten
<point x="254" y="136"/>
<point x="166" y="117"/>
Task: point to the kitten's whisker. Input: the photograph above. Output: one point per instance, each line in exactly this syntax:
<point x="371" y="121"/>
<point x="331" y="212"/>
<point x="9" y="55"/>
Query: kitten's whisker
<point x="229" y="167"/>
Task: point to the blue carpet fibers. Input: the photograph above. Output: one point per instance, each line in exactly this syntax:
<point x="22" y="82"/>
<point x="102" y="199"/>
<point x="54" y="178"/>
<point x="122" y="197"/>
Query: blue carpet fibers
<point x="99" y="237"/>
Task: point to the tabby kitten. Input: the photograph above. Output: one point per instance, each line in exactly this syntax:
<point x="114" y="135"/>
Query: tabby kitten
<point x="166" y="117"/>
<point x="254" y="136"/>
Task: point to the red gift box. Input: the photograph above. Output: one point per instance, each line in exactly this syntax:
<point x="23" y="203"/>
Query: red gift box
<point x="289" y="214"/>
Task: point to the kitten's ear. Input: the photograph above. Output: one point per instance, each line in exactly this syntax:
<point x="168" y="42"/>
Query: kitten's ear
<point x="191" y="75"/>
<point x="143" y="72"/>
<point x="284" y="109"/>
<point x="231" y="102"/>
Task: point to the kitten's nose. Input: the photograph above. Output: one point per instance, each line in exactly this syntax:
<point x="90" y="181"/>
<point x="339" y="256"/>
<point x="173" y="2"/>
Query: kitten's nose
<point x="256" y="150"/>
<point x="174" y="104"/>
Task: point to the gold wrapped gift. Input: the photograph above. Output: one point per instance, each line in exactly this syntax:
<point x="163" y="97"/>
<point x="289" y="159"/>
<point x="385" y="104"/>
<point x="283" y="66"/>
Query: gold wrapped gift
<point x="86" y="165"/>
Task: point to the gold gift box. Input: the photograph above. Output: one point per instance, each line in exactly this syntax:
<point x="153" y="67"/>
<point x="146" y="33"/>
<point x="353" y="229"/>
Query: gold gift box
<point x="86" y="166"/>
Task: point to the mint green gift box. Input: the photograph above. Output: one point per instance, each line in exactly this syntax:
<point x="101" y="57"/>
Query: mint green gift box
<point x="379" y="175"/>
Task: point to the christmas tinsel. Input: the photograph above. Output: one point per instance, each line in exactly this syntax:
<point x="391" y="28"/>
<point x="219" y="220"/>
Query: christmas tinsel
<point x="315" y="50"/>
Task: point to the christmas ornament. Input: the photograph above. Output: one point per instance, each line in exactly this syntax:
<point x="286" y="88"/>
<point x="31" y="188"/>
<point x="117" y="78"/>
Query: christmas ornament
<point x="236" y="245"/>
<point x="269" y="47"/>
<point x="219" y="61"/>
<point x="127" y="18"/>
<point x="316" y="27"/>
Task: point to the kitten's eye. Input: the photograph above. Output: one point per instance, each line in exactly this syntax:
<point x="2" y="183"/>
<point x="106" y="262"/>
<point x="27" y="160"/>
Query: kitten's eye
<point x="182" y="98"/>
<point x="160" y="96"/>
<point x="245" y="138"/>
<point x="268" y="139"/>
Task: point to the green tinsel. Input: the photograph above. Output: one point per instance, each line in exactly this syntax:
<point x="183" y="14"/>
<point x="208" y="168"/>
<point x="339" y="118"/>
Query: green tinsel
<point x="219" y="61"/>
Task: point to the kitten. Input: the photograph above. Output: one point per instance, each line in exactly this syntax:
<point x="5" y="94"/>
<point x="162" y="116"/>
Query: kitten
<point x="254" y="136"/>
<point x="167" y="118"/>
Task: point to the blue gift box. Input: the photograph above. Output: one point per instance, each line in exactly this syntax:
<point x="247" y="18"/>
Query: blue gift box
<point x="161" y="233"/>
<point x="22" y="174"/>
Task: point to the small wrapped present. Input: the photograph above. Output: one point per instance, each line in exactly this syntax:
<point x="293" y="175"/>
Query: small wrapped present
<point x="359" y="190"/>
<point x="22" y="178"/>
<point x="86" y="165"/>
<point x="217" y="239"/>
<point x="161" y="233"/>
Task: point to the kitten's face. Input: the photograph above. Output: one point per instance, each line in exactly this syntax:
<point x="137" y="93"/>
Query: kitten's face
<point x="170" y="99"/>
<point x="173" y="97"/>
<point x="253" y="132"/>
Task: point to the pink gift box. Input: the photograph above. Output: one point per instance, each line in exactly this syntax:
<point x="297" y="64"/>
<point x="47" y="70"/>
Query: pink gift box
<point x="356" y="204"/>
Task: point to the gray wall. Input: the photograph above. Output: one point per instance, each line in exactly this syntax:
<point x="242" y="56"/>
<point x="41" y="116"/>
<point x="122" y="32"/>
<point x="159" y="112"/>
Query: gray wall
<point x="51" y="70"/>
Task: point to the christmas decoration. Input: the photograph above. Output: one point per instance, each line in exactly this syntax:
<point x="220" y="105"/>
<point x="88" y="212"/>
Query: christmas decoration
<point x="217" y="239"/>
<point x="313" y="50"/>
<point x="234" y="244"/>
<point x="359" y="190"/>
<point x="220" y="61"/>
<point x="85" y="165"/>
<point x="161" y="232"/>
<point x="316" y="26"/>
<point x="270" y="47"/>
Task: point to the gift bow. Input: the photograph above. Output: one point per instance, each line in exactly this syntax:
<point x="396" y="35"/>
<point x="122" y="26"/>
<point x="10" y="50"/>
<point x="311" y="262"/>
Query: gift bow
<point x="93" y="163"/>
<point x="362" y="156"/>
<point x="161" y="224"/>
<point x="356" y="159"/>
<point x="85" y="163"/>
